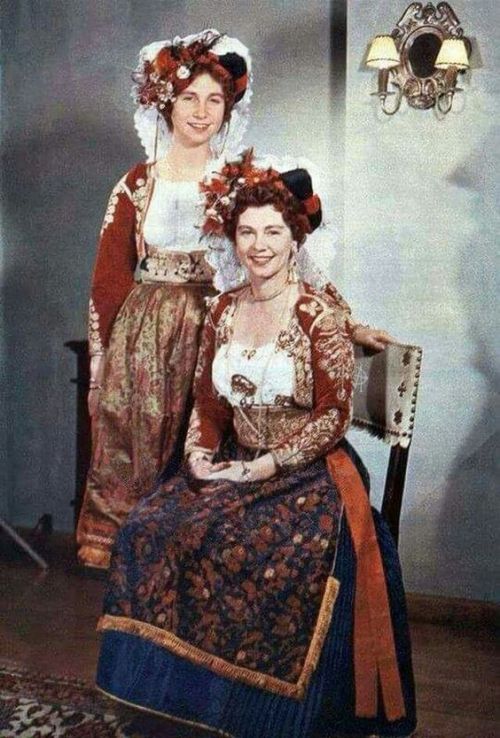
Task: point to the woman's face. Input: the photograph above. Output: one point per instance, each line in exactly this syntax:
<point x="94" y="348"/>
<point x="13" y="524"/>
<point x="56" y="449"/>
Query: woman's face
<point x="263" y="242"/>
<point x="198" y="111"/>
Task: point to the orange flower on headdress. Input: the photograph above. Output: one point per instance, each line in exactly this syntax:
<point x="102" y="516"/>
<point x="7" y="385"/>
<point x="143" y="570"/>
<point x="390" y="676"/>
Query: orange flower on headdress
<point x="221" y="191"/>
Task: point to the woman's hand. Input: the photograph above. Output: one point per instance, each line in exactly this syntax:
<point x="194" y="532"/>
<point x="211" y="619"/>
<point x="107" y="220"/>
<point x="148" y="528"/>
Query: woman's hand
<point x="200" y="465"/>
<point x="234" y="471"/>
<point x="245" y="471"/>
<point x="96" y="375"/>
<point x="371" y="338"/>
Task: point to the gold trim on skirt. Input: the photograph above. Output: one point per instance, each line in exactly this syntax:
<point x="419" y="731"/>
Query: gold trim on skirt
<point x="227" y="669"/>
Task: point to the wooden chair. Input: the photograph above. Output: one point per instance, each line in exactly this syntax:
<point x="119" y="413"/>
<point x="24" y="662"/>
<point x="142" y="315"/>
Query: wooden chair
<point x="385" y="398"/>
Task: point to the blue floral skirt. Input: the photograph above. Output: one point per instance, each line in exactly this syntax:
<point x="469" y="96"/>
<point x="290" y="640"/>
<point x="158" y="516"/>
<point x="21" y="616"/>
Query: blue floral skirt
<point x="141" y="671"/>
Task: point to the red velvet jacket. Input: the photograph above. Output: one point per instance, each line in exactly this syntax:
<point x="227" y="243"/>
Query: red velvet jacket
<point x="121" y="247"/>
<point x="117" y="255"/>
<point x="324" y="364"/>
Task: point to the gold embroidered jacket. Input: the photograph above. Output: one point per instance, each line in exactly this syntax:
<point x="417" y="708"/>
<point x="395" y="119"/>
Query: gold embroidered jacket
<point x="121" y="247"/>
<point x="320" y="411"/>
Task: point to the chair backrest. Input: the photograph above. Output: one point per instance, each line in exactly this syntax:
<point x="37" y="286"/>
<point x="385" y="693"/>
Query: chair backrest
<point x="385" y="399"/>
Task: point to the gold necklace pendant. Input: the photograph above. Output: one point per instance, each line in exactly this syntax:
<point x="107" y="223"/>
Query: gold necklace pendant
<point x="271" y="296"/>
<point x="249" y="353"/>
<point x="261" y="427"/>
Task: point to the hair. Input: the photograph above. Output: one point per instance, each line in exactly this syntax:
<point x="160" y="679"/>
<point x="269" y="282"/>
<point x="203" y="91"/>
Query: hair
<point x="219" y="74"/>
<point x="280" y="198"/>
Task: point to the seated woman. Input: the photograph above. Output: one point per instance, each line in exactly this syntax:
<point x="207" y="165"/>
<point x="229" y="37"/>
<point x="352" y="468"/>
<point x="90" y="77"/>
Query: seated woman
<point x="255" y="592"/>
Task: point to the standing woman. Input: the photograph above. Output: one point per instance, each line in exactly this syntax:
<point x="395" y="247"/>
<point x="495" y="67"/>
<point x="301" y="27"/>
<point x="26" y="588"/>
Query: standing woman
<point x="255" y="592"/>
<point x="150" y="278"/>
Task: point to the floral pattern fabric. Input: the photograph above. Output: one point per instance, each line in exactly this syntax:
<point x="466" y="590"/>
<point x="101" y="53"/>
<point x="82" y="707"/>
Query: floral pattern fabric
<point x="144" y="403"/>
<point x="324" y="365"/>
<point x="236" y="570"/>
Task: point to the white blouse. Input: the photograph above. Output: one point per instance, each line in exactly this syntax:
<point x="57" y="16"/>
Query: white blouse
<point x="253" y="376"/>
<point x="174" y="216"/>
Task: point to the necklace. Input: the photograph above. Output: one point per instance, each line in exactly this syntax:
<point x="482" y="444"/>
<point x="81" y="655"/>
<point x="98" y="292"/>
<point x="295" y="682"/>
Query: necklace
<point x="271" y="296"/>
<point x="259" y="430"/>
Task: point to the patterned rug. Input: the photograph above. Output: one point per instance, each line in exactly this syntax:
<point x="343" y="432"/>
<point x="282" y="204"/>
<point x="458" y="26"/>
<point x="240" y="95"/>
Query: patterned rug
<point x="35" y="705"/>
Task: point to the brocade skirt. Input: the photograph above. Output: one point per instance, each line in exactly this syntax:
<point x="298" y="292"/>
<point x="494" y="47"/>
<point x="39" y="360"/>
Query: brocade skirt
<point x="224" y="598"/>
<point x="143" y="407"/>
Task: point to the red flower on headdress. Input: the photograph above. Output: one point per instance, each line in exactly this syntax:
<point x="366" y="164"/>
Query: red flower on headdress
<point x="160" y="80"/>
<point x="221" y="191"/>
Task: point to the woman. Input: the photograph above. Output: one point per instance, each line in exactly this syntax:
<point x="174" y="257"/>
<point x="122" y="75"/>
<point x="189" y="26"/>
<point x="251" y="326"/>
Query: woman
<point x="234" y="586"/>
<point x="151" y="276"/>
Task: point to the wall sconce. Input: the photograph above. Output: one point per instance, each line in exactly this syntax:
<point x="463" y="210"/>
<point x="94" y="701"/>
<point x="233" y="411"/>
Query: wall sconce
<point x="421" y="59"/>
<point x="383" y="55"/>
<point x="452" y="57"/>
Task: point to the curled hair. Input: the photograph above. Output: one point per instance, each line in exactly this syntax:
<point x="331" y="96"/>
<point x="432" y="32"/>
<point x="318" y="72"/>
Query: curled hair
<point x="280" y="198"/>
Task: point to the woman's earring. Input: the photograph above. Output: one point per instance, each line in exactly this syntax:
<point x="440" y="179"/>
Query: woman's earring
<point x="241" y="274"/>
<point x="221" y="140"/>
<point x="293" y="276"/>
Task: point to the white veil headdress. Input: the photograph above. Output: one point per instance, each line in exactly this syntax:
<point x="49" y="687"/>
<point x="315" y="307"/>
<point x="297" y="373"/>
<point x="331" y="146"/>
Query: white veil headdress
<point x="314" y="256"/>
<point x="151" y="126"/>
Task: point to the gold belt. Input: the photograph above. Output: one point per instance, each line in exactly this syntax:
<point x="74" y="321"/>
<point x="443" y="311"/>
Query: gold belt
<point x="267" y="426"/>
<point x="178" y="267"/>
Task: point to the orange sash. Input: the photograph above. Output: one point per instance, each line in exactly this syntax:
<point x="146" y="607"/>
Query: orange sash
<point x="374" y="647"/>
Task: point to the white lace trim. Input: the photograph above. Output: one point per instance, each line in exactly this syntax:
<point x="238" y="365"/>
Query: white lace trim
<point x="148" y="120"/>
<point x="269" y="370"/>
<point x="173" y="216"/>
<point x="109" y="215"/>
<point x="314" y="257"/>
<point x="95" y="342"/>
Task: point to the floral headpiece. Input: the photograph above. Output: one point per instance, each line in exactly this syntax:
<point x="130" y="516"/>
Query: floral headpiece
<point x="160" y="79"/>
<point x="222" y="190"/>
<point x="165" y="69"/>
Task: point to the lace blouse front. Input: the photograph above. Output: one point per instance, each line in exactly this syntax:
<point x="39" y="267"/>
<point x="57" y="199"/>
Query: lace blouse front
<point x="173" y="216"/>
<point x="254" y="376"/>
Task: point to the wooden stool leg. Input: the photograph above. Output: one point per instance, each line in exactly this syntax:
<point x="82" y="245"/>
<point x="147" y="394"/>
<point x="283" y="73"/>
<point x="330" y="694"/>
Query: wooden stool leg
<point x="23" y="544"/>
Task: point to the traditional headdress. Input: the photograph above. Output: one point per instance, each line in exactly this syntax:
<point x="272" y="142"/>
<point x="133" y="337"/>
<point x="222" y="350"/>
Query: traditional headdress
<point x="246" y="173"/>
<point x="165" y="69"/>
<point x="221" y="192"/>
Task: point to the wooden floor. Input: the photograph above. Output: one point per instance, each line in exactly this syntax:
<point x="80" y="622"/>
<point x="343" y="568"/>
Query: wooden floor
<point x="47" y="623"/>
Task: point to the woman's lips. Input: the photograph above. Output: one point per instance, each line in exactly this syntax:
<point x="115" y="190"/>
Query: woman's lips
<point x="199" y="126"/>
<point x="260" y="260"/>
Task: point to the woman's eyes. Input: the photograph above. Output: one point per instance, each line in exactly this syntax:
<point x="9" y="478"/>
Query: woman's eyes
<point x="189" y="98"/>
<point x="248" y="232"/>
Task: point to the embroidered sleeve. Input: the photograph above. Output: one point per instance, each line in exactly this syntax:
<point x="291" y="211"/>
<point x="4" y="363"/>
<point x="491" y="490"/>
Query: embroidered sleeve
<point x="113" y="275"/>
<point x="332" y="359"/>
<point x="212" y="415"/>
<point x="342" y="309"/>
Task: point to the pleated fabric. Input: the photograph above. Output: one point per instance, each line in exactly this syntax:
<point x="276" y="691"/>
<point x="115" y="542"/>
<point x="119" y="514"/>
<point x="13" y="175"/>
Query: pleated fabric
<point x="144" y="674"/>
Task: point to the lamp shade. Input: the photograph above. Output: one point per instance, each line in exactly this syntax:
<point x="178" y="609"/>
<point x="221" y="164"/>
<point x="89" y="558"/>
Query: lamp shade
<point x="383" y="53"/>
<point x="452" y="53"/>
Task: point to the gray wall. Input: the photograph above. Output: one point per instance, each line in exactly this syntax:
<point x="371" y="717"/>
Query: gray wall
<point x="68" y="135"/>
<point x="418" y="209"/>
<point x="421" y="213"/>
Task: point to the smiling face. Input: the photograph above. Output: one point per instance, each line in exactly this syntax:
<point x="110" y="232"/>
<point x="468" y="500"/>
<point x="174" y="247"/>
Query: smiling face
<point x="263" y="242"/>
<point x="198" y="111"/>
